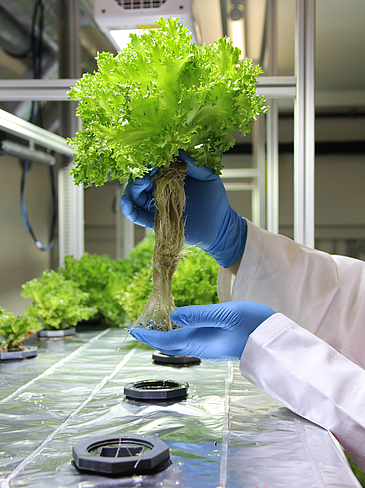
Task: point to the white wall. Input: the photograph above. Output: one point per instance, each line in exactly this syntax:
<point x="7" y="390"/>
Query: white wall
<point x="101" y="206"/>
<point x="20" y="260"/>
<point x="339" y="196"/>
<point x="100" y="223"/>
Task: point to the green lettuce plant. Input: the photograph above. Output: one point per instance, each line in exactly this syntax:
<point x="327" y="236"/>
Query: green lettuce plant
<point x="160" y="94"/>
<point x="14" y="329"/>
<point x="358" y="472"/>
<point x="102" y="278"/>
<point x="134" y="297"/>
<point x="195" y="283"/>
<point x="195" y="280"/>
<point x="141" y="255"/>
<point x="57" y="303"/>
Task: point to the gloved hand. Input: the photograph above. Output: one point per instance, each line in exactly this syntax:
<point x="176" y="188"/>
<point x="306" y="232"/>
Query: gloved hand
<point x="211" y="223"/>
<point x="137" y="201"/>
<point x="213" y="332"/>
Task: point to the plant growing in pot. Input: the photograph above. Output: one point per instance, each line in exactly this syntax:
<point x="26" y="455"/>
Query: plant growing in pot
<point x="13" y="331"/>
<point x="58" y="304"/>
<point x="162" y="94"/>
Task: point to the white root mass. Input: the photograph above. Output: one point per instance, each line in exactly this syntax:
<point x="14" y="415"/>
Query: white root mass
<point x="169" y="199"/>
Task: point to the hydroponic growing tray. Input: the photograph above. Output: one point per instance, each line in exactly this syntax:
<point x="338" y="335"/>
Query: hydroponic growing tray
<point x="226" y="433"/>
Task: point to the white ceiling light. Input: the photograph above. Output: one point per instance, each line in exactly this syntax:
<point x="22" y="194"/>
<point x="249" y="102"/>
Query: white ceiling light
<point x="118" y="18"/>
<point x="236" y="25"/>
<point x="238" y="36"/>
<point x="121" y="36"/>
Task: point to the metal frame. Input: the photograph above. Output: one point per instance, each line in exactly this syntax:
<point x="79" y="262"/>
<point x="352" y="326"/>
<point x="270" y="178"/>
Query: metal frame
<point x="302" y="89"/>
<point x="70" y="216"/>
<point x="259" y="160"/>
<point x="27" y="153"/>
<point x="304" y="119"/>
<point x="29" y="89"/>
<point x="71" y="197"/>
<point x="272" y="131"/>
<point x="299" y="87"/>
<point x="14" y="125"/>
<point x="124" y="228"/>
<point x="56" y="90"/>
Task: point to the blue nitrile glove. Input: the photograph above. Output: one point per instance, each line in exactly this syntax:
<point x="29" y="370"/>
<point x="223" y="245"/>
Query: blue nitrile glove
<point x="211" y="223"/>
<point x="137" y="201"/>
<point x="213" y="332"/>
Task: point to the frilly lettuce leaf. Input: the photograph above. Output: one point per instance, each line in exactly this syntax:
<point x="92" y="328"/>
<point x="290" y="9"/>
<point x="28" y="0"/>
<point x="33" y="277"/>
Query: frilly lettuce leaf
<point x="57" y="303"/>
<point x="160" y="94"/>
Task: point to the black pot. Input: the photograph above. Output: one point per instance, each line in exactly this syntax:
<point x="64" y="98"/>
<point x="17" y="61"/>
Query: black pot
<point x="28" y="353"/>
<point x="57" y="332"/>
<point x="156" y="390"/>
<point x="122" y="455"/>
<point x="167" y="360"/>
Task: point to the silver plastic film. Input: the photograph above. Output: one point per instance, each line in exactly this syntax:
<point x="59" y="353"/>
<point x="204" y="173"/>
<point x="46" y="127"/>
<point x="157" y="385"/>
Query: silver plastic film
<point x="227" y="433"/>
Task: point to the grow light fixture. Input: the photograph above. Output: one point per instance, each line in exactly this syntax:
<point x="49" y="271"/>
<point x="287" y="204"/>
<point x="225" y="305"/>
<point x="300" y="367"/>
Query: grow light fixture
<point x="236" y="25"/>
<point x="119" y="18"/>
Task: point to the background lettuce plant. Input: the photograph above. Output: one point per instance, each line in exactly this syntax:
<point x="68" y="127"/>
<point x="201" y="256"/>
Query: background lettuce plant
<point x="101" y="278"/>
<point x="195" y="282"/>
<point x="141" y="255"/>
<point x="14" y="329"/>
<point x="57" y="303"/>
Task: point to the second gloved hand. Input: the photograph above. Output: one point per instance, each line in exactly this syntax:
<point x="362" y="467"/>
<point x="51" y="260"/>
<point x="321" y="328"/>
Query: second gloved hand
<point x="213" y="332"/>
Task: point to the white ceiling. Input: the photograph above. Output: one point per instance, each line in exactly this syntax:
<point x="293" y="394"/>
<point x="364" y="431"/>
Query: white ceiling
<point x="340" y="44"/>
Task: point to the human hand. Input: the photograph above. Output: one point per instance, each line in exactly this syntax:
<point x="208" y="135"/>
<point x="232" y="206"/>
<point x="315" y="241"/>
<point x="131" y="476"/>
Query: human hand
<point x="137" y="201"/>
<point x="214" y="332"/>
<point x="211" y="223"/>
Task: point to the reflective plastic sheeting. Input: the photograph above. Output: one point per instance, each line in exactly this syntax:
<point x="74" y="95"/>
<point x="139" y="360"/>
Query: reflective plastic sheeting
<point x="226" y="433"/>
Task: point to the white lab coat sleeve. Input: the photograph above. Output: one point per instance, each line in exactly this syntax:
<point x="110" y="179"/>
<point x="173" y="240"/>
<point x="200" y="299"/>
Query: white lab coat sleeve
<point x="324" y="294"/>
<point x="307" y="357"/>
<point x="310" y="378"/>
